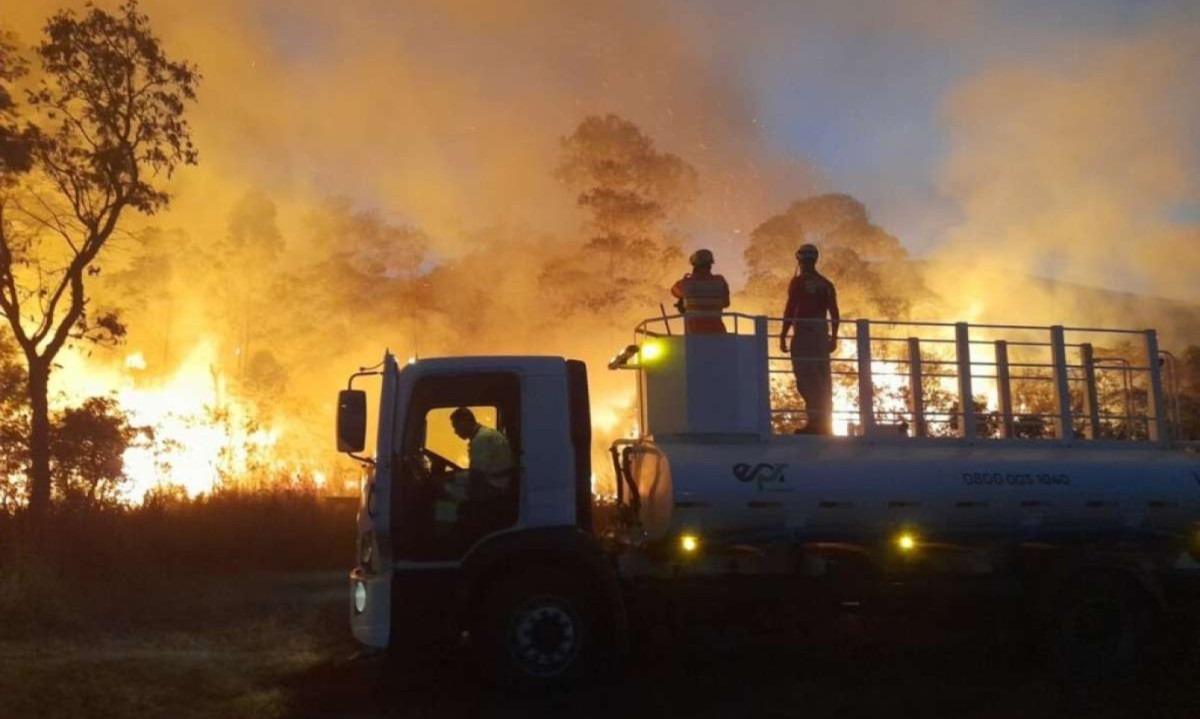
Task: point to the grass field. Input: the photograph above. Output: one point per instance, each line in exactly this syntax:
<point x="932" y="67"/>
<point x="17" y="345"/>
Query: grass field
<point x="236" y="607"/>
<point x="198" y="609"/>
<point x="230" y="664"/>
<point x="928" y="669"/>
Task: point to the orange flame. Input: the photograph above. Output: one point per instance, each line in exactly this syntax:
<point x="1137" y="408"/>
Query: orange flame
<point x="194" y="434"/>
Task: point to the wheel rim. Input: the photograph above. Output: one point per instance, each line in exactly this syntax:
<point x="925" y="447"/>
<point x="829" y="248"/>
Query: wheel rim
<point x="545" y="635"/>
<point x="1098" y="624"/>
<point x="1098" y="631"/>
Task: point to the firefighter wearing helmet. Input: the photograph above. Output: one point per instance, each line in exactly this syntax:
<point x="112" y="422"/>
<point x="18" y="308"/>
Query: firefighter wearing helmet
<point x="812" y="311"/>
<point x="701" y="296"/>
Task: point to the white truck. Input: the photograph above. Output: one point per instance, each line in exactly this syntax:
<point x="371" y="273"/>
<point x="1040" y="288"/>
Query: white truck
<point x="1081" y="510"/>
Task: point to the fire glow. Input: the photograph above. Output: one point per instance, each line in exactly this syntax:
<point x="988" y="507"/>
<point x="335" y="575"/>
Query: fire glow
<point x="892" y="391"/>
<point x="192" y="433"/>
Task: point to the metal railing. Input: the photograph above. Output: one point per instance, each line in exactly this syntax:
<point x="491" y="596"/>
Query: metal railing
<point x="975" y="381"/>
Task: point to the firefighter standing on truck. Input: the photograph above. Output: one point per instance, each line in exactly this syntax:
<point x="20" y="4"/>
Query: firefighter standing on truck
<point x="700" y="291"/>
<point x="812" y="298"/>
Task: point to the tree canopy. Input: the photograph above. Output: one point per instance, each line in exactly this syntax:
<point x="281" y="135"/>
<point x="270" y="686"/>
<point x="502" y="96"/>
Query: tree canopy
<point x="105" y="124"/>
<point x="850" y="246"/>
<point x="631" y="192"/>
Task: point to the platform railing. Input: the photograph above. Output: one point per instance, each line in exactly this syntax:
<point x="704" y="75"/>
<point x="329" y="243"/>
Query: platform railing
<point x="971" y="381"/>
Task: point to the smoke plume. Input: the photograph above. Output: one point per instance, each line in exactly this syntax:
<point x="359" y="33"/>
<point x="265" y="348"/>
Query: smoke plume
<point x="1070" y="167"/>
<point x="381" y="174"/>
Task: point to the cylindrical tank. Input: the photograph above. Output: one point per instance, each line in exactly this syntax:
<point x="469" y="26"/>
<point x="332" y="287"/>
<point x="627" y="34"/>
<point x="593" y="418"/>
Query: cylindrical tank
<point x="829" y="489"/>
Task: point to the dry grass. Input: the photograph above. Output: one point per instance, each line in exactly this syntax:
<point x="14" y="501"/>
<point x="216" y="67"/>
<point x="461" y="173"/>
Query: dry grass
<point x="185" y="675"/>
<point x="196" y="609"/>
<point x="236" y="607"/>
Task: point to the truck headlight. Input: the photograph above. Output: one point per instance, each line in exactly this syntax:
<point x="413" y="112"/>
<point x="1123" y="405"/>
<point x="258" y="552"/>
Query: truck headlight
<point x="360" y="597"/>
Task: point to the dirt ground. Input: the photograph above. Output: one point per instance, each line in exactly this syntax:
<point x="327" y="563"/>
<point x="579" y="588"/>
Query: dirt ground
<point x="847" y="668"/>
<point x="278" y="647"/>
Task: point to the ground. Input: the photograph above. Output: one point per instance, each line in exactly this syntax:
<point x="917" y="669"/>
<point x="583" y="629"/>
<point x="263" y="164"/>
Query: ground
<point x="848" y="669"/>
<point x="278" y="646"/>
<point x="212" y="648"/>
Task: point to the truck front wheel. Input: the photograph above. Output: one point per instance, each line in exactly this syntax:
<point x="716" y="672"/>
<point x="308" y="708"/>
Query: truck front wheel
<point x="538" y="630"/>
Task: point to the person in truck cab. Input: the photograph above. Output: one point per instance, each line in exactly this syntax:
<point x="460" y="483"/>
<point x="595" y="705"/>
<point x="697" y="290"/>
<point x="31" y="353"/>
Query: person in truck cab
<point x="702" y="291"/>
<point x="811" y="298"/>
<point x="489" y="469"/>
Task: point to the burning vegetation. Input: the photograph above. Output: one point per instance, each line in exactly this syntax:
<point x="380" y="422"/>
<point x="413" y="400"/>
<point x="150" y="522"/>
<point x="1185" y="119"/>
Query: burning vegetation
<point x="225" y="320"/>
<point x="454" y="179"/>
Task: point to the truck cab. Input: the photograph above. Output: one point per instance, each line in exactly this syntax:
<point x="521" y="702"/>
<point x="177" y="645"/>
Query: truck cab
<point x="424" y="567"/>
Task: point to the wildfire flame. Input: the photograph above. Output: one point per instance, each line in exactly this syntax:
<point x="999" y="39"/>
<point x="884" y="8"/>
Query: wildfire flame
<point x="193" y="434"/>
<point x="891" y="384"/>
<point x="196" y="435"/>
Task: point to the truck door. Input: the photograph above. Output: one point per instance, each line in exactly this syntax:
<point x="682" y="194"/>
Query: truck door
<point x="442" y="505"/>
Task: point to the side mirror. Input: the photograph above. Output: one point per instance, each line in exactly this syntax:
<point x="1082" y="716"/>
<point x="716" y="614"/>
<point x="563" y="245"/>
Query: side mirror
<point x="351" y="420"/>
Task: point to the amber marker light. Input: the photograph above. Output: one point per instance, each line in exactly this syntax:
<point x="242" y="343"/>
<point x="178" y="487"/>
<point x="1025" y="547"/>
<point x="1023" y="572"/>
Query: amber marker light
<point x="906" y="542"/>
<point x="689" y="543"/>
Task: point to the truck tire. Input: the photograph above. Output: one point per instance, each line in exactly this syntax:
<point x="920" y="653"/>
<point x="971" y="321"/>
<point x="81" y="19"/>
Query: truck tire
<point x="539" y="629"/>
<point x="1101" y="627"/>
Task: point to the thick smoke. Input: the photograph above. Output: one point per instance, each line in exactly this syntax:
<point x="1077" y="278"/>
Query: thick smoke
<point x="446" y="115"/>
<point x="394" y="164"/>
<point x="1069" y="167"/>
<point x="330" y="130"/>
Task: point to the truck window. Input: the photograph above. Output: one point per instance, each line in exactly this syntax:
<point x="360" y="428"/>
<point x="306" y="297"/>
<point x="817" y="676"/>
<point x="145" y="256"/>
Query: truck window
<point x="445" y="504"/>
<point x="440" y="437"/>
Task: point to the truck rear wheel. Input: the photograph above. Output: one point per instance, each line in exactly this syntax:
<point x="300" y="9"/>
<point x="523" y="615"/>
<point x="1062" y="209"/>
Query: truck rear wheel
<point x="538" y="630"/>
<point x="1102" y="625"/>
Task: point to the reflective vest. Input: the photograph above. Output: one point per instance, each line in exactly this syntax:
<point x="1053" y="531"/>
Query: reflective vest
<point x="490" y="454"/>
<point x="702" y="293"/>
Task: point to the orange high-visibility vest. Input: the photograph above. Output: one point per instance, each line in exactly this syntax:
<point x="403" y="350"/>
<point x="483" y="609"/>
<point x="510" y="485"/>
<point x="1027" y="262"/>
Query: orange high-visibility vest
<point x="702" y="292"/>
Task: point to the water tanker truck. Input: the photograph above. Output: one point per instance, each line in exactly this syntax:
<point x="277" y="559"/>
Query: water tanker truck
<point x="1034" y="465"/>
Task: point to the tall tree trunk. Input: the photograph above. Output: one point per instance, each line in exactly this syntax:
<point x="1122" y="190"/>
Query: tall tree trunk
<point x="39" y="438"/>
